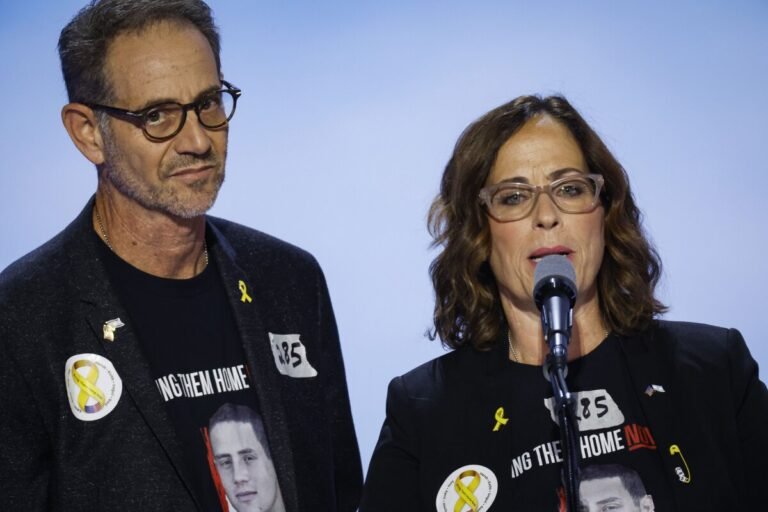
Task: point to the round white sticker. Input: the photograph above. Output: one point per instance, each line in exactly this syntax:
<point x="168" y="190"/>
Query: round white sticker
<point x="93" y="386"/>
<point x="469" y="488"/>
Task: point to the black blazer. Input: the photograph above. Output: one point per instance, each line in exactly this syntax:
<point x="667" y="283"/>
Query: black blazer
<point x="53" y="304"/>
<point x="714" y="408"/>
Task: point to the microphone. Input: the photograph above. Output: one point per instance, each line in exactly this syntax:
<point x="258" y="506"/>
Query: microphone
<point x="555" y="294"/>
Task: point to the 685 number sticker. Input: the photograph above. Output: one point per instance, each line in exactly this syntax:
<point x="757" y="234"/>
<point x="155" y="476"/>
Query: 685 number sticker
<point x="291" y="356"/>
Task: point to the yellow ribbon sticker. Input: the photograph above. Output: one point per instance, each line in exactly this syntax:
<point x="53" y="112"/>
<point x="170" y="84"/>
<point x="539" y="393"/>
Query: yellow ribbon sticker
<point x="88" y="387"/>
<point x="470" y="488"/>
<point x="244" y="290"/>
<point x="466" y="492"/>
<point x="93" y="386"/>
<point x="500" y="419"/>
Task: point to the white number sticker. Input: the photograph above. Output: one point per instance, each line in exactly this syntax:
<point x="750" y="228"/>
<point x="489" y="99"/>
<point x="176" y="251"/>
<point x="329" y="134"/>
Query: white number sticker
<point x="595" y="410"/>
<point x="291" y="356"/>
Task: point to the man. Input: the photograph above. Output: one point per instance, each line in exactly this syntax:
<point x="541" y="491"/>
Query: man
<point x="121" y="336"/>
<point x="243" y="462"/>
<point x="613" y="487"/>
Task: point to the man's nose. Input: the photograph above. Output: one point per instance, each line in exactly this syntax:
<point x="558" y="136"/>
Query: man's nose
<point x="194" y="138"/>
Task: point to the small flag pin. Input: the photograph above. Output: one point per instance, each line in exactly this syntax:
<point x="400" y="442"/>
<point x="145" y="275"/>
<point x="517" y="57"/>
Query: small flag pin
<point x="653" y="388"/>
<point x="110" y="326"/>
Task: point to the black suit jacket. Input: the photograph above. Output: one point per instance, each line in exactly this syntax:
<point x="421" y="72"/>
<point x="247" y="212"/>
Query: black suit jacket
<point x="53" y="304"/>
<point x="714" y="409"/>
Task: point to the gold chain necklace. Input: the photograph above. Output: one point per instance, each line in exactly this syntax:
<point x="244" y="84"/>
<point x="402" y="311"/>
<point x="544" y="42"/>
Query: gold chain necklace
<point x="106" y="238"/>
<point x="515" y="357"/>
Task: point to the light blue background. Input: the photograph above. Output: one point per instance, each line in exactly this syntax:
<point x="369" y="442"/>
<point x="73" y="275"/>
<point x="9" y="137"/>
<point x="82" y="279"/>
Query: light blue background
<point x="350" y="111"/>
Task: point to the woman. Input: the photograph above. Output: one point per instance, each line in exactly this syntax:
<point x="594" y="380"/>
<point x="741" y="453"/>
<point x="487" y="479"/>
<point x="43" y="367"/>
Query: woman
<point x="679" y="405"/>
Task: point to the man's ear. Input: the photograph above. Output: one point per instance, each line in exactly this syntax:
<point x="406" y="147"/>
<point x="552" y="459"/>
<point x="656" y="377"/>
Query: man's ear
<point x="646" y="503"/>
<point x="83" y="128"/>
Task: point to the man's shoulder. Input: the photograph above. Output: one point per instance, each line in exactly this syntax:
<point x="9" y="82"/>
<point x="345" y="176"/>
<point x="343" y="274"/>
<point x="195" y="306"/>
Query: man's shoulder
<point x="254" y="247"/>
<point x="241" y="236"/>
<point x="41" y="267"/>
<point x="49" y="262"/>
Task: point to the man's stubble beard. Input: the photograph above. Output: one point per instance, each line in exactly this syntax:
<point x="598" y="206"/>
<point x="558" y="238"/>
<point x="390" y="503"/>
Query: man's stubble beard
<point x="162" y="196"/>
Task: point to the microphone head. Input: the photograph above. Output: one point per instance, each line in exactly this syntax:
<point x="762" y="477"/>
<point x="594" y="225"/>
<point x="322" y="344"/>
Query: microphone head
<point x="554" y="275"/>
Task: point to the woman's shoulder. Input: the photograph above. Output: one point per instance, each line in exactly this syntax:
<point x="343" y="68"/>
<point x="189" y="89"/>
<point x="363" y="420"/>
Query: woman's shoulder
<point x="684" y="330"/>
<point x="692" y="336"/>
<point x="459" y="367"/>
<point x="696" y="344"/>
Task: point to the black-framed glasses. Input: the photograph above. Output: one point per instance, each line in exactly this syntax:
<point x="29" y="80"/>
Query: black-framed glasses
<point x="509" y="200"/>
<point x="165" y="120"/>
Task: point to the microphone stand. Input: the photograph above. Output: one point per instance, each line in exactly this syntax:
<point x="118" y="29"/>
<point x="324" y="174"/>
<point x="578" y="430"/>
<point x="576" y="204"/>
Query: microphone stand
<point x="555" y="370"/>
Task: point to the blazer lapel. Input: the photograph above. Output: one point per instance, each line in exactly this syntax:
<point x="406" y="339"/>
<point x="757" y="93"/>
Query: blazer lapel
<point x="247" y="301"/>
<point x="98" y="304"/>
<point x="650" y="366"/>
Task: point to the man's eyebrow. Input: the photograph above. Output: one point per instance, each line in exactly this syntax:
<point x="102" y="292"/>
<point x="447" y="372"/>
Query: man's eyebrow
<point x="161" y="101"/>
<point x="246" y="451"/>
<point x="609" y="500"/>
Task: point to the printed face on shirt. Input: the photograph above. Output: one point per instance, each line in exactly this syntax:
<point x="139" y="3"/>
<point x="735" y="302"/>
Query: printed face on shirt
<point x="245" y="469"/>
<point x="609" y="494"/>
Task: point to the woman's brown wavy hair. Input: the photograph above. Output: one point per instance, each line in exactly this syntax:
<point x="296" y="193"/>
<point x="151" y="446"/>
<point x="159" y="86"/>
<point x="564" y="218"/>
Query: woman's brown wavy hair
<point x="467" y="306"/>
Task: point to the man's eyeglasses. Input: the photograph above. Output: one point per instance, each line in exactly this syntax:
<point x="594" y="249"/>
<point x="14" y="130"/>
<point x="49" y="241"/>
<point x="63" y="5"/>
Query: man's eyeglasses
<point x="165" y="120"/>
<point x="509" y="200"/>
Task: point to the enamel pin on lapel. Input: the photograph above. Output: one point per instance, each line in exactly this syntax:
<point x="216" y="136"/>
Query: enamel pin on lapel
<point x="109" y="328"/>
<point x="244" y="297"/>
<point x="500" y="419"/>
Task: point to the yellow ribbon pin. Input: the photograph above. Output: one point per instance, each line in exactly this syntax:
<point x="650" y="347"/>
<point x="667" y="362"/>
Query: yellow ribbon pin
<point x="500" y="419"/>
<point x="466" y="492"/>
<point x="88" y="388"/>
<point x="244" y="290"/>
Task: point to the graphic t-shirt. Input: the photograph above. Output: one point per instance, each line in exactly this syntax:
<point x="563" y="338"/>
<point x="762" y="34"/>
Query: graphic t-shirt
<point x="187" y="332"/>
<point x="502" y="449"/>
<point x="621" y="465"/>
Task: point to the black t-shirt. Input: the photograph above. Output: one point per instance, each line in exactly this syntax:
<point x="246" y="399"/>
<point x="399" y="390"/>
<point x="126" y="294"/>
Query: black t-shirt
<point x="620" y="459"/>
<point x="187" y="332"/>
